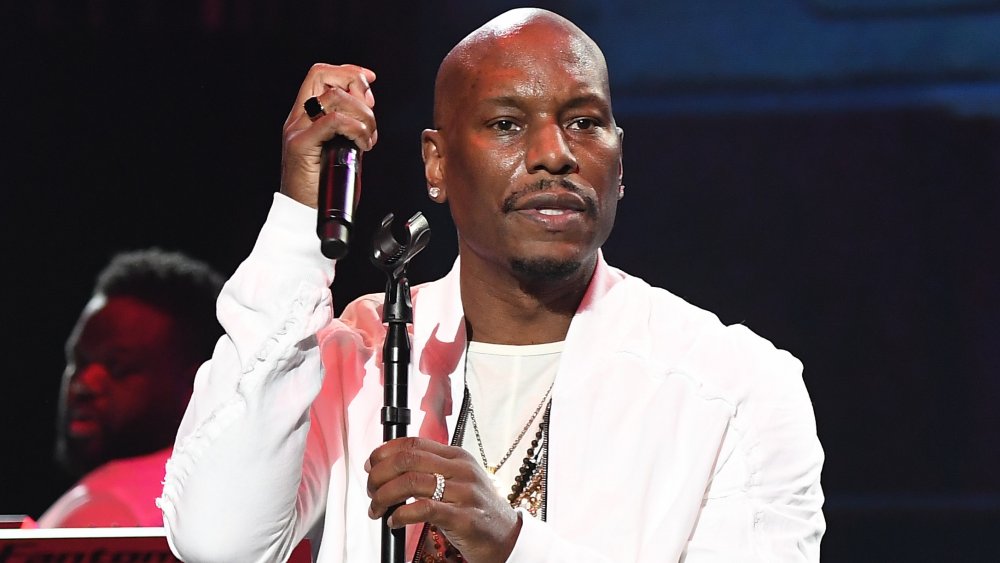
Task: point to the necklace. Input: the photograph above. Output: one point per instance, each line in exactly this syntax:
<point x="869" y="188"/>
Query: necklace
<point x="492" y="469"/>
<point x="529" y="487"/>
<point x="528" y="491"/>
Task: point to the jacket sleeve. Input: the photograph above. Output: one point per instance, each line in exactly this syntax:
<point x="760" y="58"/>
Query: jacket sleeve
<point x="249" y="473"/>
<point x="761" y="499"/>
<point x="764" y="502"/>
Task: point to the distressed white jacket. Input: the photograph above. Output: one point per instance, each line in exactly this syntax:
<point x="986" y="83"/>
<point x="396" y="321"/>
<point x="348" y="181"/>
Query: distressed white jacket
<point x="672" y="436"/>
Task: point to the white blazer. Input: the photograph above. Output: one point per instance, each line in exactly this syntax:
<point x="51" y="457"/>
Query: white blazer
<point x="672" y="436"/>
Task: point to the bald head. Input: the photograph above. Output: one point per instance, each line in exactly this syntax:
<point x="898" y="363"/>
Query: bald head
<point x="526" y="151"/>
<point x="510" y="39"/>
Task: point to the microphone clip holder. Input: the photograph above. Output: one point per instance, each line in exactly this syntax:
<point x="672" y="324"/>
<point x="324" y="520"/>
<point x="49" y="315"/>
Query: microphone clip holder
<point x="390" y="255"/>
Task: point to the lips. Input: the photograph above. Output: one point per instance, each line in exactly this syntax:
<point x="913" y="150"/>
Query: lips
<point x="553" y="211"/>
<point x="82" y="423"/>
<point x="82" y="428"/>
<point x="551" y="203"/>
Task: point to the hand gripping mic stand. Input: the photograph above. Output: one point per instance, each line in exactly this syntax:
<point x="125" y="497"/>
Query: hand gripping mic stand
<point x="391" y="257"/>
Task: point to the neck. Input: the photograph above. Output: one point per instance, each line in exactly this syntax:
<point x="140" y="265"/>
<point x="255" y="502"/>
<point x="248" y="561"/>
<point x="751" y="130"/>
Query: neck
<point x="503" y="308"/>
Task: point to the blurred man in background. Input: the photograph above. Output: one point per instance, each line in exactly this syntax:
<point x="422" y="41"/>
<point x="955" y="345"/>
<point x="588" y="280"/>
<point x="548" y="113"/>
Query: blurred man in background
<point x="130" y="366"/>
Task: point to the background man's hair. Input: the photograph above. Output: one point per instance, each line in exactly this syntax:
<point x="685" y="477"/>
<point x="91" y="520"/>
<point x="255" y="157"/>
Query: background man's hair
<point x="184" y="287"/>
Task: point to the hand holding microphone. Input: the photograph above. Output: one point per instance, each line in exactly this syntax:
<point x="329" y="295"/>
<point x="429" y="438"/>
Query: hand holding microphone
<point x="330" y="125"/>
<point x="339" y="189"/>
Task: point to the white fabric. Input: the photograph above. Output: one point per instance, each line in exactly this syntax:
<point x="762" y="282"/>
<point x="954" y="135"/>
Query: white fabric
<point x="673" y="437"/>
<point x="507" y="384"/>
<point x="120" y="493"/>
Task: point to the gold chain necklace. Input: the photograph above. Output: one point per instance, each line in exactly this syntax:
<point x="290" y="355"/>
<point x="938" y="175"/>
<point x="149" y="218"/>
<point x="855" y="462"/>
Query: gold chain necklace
<point x="492" y="469"/>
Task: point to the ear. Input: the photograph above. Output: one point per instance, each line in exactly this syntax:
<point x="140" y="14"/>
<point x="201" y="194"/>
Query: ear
<point x="621" y="167"/>
<point x="432" y="149"/>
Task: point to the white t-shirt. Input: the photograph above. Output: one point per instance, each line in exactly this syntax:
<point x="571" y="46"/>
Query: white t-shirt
<point x="507" y="386"/>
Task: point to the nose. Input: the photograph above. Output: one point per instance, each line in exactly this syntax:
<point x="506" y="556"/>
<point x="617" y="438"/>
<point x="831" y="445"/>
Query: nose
<point x="88" y="381"/>
<point x="549" y="152"/>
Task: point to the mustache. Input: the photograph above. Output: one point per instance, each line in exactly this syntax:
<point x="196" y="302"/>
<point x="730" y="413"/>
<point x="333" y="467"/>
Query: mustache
<point x="510" y="202"/>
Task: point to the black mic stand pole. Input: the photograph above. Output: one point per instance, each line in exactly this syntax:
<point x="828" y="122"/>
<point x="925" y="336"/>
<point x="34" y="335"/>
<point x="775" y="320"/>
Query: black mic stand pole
<point x="391" y="256"/>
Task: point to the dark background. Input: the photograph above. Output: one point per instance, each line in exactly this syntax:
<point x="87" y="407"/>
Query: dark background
<point x="824" y="171"/>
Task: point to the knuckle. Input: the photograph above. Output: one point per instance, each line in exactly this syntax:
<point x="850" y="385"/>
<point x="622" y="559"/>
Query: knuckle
<point x="379" y="495"/>
<point x="422" y="510"/>
<point x="412" y="481"/>
<point x="407" y="459"/>
<point x="427" y="510"/>
<point x="360" y="78"/>
<point x="410" y="443"/>
<point x="380" y="498"/>
<point x="465" y="456"/>
<point x="293" y="144"/>
<point x="315" y="69"/>
<point x="408" y="513"/>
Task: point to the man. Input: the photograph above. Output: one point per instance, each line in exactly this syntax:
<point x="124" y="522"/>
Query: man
<point x="590" y="416"/>
<point x="130" y="365"/>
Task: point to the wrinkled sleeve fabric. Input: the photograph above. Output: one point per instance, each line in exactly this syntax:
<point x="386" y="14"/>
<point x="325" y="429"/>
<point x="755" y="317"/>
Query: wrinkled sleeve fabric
<point x="764" y="502"/>
<point x="248" y="475"/>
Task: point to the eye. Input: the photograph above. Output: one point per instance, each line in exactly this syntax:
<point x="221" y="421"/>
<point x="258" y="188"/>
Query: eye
<point x="114" y="370"/>
<point x="505" y="126"/>
<point x="583" y="123"/>
<point x="120" y="368"/>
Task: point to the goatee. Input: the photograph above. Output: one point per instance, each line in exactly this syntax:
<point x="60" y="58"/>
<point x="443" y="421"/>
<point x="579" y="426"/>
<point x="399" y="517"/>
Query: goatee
<point x="544" y="269"/>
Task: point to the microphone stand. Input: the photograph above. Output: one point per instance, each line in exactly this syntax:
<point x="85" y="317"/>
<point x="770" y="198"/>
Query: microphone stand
<point x="392" y="256"/>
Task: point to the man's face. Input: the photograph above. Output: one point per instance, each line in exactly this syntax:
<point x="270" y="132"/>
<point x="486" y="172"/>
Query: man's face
<point x="122" y="384"/>
<point x="532" y="155"/>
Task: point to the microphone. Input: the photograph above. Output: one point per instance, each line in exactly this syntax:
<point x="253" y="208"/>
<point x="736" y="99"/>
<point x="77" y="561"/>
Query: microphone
<point x="339" y="190"/>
